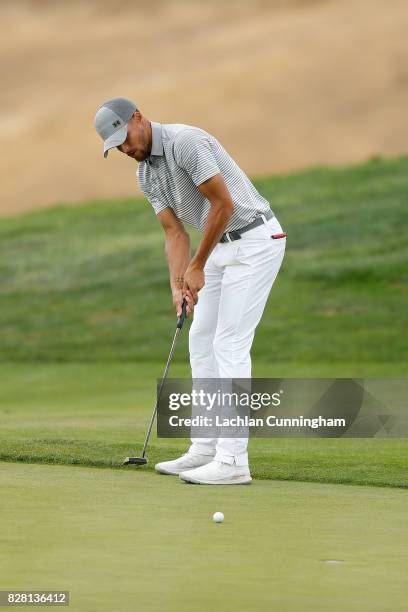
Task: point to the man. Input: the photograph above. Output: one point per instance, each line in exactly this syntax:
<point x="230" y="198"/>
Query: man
<point x="188" y="176"/>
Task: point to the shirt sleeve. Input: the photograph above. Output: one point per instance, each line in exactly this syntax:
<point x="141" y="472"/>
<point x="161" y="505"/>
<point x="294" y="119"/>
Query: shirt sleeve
<point x="192" y="152"/>
<point x="158" y="206"/>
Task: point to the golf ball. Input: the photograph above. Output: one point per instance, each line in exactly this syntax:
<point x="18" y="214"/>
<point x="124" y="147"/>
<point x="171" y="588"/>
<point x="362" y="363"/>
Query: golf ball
<point x="218" y="517"/>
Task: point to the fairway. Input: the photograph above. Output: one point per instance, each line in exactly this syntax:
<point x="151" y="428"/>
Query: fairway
<point x="135" y="540"/>
<point x="95" y="414"/>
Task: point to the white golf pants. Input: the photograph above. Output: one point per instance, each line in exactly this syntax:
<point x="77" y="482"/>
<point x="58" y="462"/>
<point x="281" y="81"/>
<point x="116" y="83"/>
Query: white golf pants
<point x="238" y="278"/>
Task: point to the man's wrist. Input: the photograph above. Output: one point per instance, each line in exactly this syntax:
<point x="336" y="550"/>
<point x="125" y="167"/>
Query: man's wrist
<point x="177" y="283"/>
<point x="197" y="262"/>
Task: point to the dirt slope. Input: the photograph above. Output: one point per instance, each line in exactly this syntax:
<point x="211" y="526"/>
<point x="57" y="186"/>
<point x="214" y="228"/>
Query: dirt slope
<point x="282" y="84"/>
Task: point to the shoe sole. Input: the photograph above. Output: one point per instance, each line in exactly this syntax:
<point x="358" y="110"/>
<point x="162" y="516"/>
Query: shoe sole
<point x="167" y="472"/>
<point x="217" y="482"/>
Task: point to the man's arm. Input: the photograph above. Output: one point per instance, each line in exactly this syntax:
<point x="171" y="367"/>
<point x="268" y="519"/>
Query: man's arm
<point x="177" y="249"/>
<point x="222" y="206"/>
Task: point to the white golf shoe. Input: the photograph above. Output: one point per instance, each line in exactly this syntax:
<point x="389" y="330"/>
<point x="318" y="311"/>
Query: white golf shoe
<point x="218" y="473"/>
<point x="189" y="461"/>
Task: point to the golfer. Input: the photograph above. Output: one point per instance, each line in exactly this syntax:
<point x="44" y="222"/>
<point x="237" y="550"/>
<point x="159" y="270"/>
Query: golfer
<point x="188" y="177"/>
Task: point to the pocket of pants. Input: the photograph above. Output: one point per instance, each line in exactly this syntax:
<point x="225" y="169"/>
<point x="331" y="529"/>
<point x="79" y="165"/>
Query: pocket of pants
<point x="274" y="227"/>
<point x="259" y="250"/>
<point x="265" y="232"/>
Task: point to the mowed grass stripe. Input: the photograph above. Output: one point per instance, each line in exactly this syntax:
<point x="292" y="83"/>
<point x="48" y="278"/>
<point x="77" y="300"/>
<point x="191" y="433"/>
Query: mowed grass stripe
<point x="96" y="414"/>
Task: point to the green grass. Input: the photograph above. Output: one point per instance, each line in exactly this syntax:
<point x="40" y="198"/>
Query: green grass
<point x="90" y="283"/>
<point x="86" y="324"/>
<point x="96" y="414"/>
<point x="137" y="541"/>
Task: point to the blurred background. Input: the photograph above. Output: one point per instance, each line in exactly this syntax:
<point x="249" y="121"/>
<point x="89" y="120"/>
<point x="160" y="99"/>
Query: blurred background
<point x="283" y="84"/>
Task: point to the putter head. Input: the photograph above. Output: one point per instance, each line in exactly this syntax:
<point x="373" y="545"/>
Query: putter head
<point x="135" y="461"/>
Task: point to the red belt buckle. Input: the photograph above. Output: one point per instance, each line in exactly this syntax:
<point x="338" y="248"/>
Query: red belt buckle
<point x="274" y="236"/>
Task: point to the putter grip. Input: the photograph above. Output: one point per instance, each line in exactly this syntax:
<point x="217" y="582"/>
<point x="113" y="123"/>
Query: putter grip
<point x="183" y="314"/>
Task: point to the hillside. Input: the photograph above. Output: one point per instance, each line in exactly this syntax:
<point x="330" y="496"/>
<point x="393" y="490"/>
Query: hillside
<point x="90" y="283"/>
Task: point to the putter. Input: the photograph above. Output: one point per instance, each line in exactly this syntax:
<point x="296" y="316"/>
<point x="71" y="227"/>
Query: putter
<point x="143" y="459"/>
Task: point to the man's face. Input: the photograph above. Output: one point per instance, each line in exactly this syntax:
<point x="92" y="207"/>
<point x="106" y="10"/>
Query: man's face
<point x="138" y="141"/>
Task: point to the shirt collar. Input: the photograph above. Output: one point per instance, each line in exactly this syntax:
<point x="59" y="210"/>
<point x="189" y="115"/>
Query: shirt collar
<point x="157" y="141"/>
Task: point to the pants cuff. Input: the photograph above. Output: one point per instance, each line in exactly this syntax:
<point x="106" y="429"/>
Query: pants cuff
<point x="198" y="448"/>
<point x="238" y="460"/>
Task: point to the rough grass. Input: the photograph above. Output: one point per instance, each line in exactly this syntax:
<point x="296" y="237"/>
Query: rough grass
<point x="91" y="283"/>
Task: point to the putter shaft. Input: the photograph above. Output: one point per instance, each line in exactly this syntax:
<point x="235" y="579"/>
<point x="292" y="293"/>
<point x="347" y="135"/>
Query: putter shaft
<point x="149" y="429"/>
<point x="142" y="460"/>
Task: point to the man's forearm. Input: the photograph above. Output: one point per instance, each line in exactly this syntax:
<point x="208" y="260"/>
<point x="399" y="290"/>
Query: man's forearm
<point x="217" y="220"/>
<point x="177" y="249"/>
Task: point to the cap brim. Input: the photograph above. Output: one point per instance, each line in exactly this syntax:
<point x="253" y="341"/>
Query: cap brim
<point x="115" y="140"/>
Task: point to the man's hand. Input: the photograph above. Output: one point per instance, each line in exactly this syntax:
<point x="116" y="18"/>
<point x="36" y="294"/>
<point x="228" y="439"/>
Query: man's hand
<point x="178" y="245"/>
<point x="193" y="282"/>
<point x="178" y="301"/>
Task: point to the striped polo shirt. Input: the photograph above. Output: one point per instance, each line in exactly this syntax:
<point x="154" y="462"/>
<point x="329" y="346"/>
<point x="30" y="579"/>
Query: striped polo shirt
<point x="181" y="158"/>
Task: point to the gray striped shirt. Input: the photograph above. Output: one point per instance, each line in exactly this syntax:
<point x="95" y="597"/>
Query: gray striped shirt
<point x="182" y="157"/>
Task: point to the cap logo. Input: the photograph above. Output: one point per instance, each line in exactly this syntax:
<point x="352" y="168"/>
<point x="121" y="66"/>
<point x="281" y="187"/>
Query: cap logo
<point x="116" y="123"/>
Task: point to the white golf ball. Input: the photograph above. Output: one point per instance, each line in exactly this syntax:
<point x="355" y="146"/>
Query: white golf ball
<point x="218" y="517"/>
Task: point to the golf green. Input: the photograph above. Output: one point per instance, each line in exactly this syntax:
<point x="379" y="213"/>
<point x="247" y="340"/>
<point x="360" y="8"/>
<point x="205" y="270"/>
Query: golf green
<point x="134" y="540"/>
